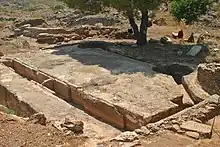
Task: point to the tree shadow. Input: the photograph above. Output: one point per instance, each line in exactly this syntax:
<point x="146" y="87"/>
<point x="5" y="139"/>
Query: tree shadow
<point x="113" y="56"/>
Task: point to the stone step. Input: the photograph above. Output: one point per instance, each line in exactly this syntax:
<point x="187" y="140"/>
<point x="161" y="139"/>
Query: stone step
<point x="28" y="97"/>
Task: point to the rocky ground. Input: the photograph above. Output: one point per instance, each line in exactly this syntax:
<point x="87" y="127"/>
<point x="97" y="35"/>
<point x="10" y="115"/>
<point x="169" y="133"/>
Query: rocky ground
<point x="15" y="131"/>
<point x="27" y="26"/>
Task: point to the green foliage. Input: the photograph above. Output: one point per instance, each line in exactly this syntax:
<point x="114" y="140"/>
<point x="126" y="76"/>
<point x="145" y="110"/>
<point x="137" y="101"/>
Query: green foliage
<point x="10" y="111"/>
<point x="189" y="10"/>
<point x="57" y="7"/>
<point x="129" y="7"/>
<point x="122" y="5"/>
<point x="85" y="5"/>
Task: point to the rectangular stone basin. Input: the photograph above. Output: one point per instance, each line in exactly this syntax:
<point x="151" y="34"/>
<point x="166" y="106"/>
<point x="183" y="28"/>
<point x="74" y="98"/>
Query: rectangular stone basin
<point x="117" y="89"/>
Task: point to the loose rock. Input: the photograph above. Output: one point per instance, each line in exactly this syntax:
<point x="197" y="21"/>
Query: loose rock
<point x="166" y="40"/>
<point x="143" y="131"/>
<point x="194" y="50"/>
<point x="17" y="32"/>
<point x="38" y="118"/>
<point x="126" y="137"/>
<point x="160" y="22"/>
<point x="215" y="49"/>
<point x="49" y="38"/>
<point x="175" y="128"/>
<point x="193" y="135"/>
<point x="74" y="126"/>
<point x="123" y="35"/>
<point x="214" y="100"/>
<point x="69" y="126"/>
<point x="11" y="117"/>
<point x="202" y="129"/>
<point x="164" y="7"/>
<point x="191" y="38"/>
<point x="201" y="39"/>
<point x="152" y="41"/>
<point x="33" y="22"/>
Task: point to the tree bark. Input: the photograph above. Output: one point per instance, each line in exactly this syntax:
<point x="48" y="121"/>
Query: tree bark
<point x="140" y="36"/>
<point x="143" y="28"/>
<point x="133" y="24"/>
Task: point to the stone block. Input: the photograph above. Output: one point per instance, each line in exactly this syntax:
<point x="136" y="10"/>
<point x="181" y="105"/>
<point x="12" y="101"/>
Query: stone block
<point x="202" y="129"/>
<point x="76" y="95"/>
<point x="62" y="89"/>
<point x="194" y="90"/>
<point x="209" y="77"/>
<point x="193" y="135"/>
<point x="30" y="73"/>
<point x="3" y="95"/>
<point x="45" y="80"/>
<point x="19" y="67"/>
<point x="7" y="62"/>
<point x="131" y="121"/>
<point x="104" y="111"/>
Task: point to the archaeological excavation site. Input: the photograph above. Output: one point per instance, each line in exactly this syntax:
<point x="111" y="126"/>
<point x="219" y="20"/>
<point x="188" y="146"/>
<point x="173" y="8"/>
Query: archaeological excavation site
<point x="73" y="79"/>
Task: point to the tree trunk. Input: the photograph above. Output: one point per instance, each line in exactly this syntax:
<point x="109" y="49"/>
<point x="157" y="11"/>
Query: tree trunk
<point x="143" y="28"/>
<point x="140" y="36"/>
<point x="133" y="25"/>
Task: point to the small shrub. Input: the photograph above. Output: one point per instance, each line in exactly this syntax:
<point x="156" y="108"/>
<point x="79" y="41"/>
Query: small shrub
<point x="189" y="10"/>
<point x="10" y="111"/>
<point x="57" y="7"/>
<point x="30" y="8"/>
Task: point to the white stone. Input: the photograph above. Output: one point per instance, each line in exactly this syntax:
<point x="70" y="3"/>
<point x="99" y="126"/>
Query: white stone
<point x="216" y="49"/>
<point x="194" y="50"/>
<point x="126" y="137"/>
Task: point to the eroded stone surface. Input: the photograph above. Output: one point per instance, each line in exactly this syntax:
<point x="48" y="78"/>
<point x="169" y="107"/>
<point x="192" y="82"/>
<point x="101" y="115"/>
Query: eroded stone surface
<point x="38" y="118"/>
<point x="127" y="84"/>
<point x="196" y="127"/>
<point x="39" y="99"/>
<point x="209" y="77"/>
<point x="126" y="137"/>
<point x="194" y="89"/>
<point x="193" y="135"/>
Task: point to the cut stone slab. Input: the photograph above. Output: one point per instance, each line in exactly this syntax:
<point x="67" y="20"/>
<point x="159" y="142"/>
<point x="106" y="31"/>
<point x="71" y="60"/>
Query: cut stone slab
<point x="131" y="86"/>
<point x="193" y="135"/>
<point x="40" y="99"/>
<point x="194" y="89"/>
<point x="194" y="50"/>
<point x="197" y="127"/>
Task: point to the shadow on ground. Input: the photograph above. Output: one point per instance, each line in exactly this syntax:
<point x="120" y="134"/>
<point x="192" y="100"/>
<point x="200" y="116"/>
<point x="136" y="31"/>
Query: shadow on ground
<point x="111" y="56"/>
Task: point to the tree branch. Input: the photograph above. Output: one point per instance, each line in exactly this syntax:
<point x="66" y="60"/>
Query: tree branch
<point x="132" y="22"/>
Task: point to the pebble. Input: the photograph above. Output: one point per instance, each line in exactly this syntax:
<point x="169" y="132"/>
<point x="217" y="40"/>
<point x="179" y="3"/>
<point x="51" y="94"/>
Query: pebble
<point x="216" y="49"/>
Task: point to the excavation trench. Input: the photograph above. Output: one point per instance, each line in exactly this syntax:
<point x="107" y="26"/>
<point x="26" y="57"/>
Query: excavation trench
<point x="10" y="100"/>
<point x="177" y="71"/>
<point x="114" y="115"/>
<point x="25" y="97"/>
